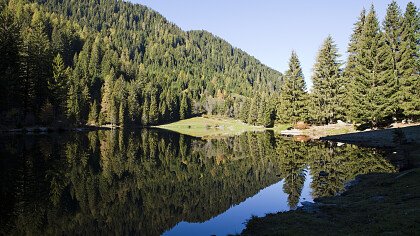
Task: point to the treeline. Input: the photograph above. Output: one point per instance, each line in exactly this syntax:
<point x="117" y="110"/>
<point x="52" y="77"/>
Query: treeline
<point x="113" y="62"/>
<point x="379" y="84"/>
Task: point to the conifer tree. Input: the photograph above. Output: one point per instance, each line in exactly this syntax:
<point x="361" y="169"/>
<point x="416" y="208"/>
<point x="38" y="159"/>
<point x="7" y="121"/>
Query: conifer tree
<point x="244" y="112"/>
<point x="184" y="107"/>
<point x="93" y="113"/>
<point x="368" y="100"/>
<point x="293" y="98"/>
<point x="253" y="112"/>
<point x="328" y="90"/>
<point x="388" y="58"/>
<point x="353" y="51"/>
<point x="58" y="84"/>
<point x="145" y="113"/>
<point x="409" y="65"/>
<point x="77" y="98"/>
<point x="153" y="110"/>
<point x="108" y="104"/>
<point x="10" y="46"/>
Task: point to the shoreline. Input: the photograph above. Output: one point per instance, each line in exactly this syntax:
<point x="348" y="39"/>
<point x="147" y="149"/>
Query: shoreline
<point x="373" y="204"/>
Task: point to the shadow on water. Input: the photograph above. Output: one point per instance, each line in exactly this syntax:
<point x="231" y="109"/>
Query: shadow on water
<point x="146" y="182"/>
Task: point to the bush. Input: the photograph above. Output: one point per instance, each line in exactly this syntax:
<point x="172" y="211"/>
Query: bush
<point x="301" y="125"/>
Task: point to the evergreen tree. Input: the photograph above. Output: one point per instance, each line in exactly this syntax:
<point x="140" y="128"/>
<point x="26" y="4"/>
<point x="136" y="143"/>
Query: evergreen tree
<point x="368" y="99"/>
<point x="58" y="84"/>
<point x="253" y="112"/>
<point x="93" y="113"/>
<point x="133" y="103"/>
<point x="77" y="98"/>
<point x="244" y="113"/>
<point x="108" y="104"/>
<point x="293" y="98"/>
<point x="328" y="89"/>
<point x="145" y="113"/>
<point x="10" y="46"/>
<point x="153" y="110"/>
<point x="388" y="58"/>
<point x="350" y="71"/>
<point x="409" y="65"/>
<point x="184" y="107"/>
<point x="122" y="113"/>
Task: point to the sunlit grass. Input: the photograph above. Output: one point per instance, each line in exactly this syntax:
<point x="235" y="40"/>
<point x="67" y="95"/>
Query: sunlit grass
<point x="211" y="127"/>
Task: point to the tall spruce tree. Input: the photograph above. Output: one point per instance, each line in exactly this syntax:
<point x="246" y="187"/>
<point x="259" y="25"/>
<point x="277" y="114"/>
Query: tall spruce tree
<point x="108" y="104"/>
<point x="293" y="98"/>
<point x="10" y="46"/>
<point x="353" y="51"/>
<point x="58" y="85"/>
<point x="409" y="65"/>
<point x="389" y="57"/>
<point x="184" y="107"/>
<point x="328" y="89"/>
<point x="253" y="112"/>
<point x="368" y="100"/>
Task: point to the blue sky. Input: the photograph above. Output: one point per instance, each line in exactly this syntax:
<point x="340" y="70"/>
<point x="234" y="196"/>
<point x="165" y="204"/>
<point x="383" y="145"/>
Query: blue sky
<point x="270" y="29"/>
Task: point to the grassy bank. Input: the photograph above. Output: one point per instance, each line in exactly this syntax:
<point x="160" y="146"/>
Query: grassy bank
<point x="214" y="126"/>
<point x="376" y="204"/>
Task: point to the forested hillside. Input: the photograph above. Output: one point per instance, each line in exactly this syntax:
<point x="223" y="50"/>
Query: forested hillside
<point x="113" y="62"/>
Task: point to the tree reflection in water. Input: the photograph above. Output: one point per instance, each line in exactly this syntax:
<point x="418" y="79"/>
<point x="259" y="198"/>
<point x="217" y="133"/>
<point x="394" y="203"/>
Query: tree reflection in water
<point x="147" y="181"/>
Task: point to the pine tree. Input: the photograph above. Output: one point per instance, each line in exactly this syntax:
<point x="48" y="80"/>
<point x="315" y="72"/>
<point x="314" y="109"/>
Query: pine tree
<point x="368" y="100"/>
<point x="133" y="100"/>
<point x="184" y="107"/>
<point x="145" y="113"/>
<point x="293" y="98"/>
<point x="350" y="71"/>
<point x="58" y="84"/>
<point x="328" y="90"/>
<point x="266" y="112"/>
<point x="389" y="57"/>
<point x="38" y="62"/>
<point x="253" y="112"/>
<point x="409" y="65"/>
<point x="153" y="110"/>
<point x="93" y="113"/>
<point x="10" y="46"/>
<point x="261" y="111"/>
<point x="77" y="98"/>
<point x="122" y="113"/>
<point x="243" y="114"/>
<point x="108" y="104"/>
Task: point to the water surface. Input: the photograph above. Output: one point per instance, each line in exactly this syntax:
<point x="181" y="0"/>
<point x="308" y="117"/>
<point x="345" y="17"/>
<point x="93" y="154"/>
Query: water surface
<point x="153" y="182"/>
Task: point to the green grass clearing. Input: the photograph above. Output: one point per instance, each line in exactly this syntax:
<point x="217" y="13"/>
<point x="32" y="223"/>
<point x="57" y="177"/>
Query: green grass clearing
<point x="213" y="127"/>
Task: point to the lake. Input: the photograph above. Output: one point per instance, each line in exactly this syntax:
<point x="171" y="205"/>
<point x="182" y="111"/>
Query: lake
<point x="153" y="182"/>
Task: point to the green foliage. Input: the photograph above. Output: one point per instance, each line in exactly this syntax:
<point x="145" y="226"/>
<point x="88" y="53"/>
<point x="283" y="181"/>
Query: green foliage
<point x="64" y="52"/>
<point x="409" y="64"/>
<point x="366" y="89"/>
<point x="58" y="84"/>
<point x="156" y="61"/>
<point x="293" y="98"/>
<point x="184" y="108"/>
<point x="328" y="87"/>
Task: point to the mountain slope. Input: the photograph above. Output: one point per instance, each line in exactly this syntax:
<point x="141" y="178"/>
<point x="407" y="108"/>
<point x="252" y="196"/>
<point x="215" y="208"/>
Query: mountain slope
<point x="126" y="64"/>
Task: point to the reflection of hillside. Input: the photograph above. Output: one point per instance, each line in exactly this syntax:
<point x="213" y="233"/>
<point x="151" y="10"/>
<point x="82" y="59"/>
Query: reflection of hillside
<point x="146" y="182"/>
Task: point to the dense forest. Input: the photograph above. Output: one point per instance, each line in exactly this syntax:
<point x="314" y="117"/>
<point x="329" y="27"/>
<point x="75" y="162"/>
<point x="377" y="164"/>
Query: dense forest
<point x="114" y="62"/>
<point x="148" y="181"/>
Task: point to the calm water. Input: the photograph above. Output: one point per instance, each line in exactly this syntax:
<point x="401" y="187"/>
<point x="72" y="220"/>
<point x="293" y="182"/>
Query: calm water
<point x="152" y="182"/>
